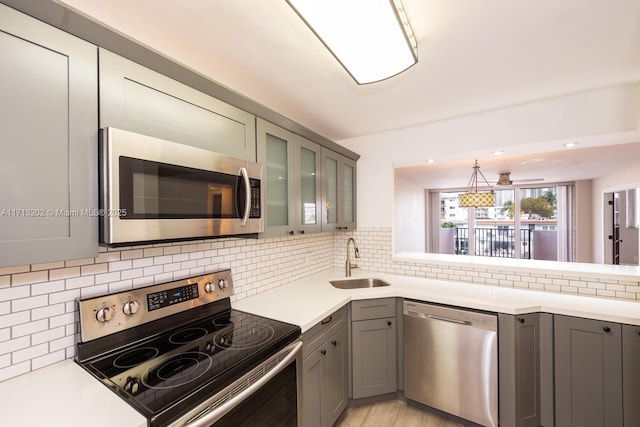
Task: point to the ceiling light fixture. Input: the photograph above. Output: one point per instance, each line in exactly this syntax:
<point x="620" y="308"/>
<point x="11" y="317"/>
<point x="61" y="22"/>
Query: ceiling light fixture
<point x="372" y="39"/>
<point x="472" y="198"/>
<point x="570" y="144"/>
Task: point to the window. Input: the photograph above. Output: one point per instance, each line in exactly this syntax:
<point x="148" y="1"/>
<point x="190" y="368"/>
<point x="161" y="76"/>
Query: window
<point x="539" y="230"/>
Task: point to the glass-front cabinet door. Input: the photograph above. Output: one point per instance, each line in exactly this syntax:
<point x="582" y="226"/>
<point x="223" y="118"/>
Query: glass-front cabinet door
<point x="338" y="192"/>
<point x="292" y="188"/>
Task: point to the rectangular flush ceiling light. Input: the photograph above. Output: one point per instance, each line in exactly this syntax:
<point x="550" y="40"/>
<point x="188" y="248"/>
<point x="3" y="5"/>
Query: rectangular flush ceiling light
<point x="372" y="39"/>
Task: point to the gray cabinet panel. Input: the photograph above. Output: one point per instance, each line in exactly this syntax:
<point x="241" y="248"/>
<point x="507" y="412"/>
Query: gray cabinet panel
<point x="335" y="396"/>
<point x="374" y="357"/>
<point x="524" y="369"/>
<point x="312" y="375"/>
<point x="141" y="100"/>
<point x="588" y="372"/>
<point x="631" y="374"/>
<point x="48" y="128"/>
<point x="325" y="371"/>
<point x="373" y="308"/>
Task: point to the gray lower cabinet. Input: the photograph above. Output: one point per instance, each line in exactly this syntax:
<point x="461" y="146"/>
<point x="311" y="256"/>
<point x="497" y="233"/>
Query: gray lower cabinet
<point x="325" y="371"/>
<point x="373" y="341"/>
<point x="588" y="373"/>
<point x="138" y="99"/>
<point x="526" y="370"/>
<point x="49" y="134"/>
<point x="631" y="374"/>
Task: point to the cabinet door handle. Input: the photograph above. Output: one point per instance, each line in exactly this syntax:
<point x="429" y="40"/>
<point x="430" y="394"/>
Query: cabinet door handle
<point x="327" y="320"/>
<point x="388" y="322"/>
<point x="520" y="319"/>
<point x="323" y="352"/>
<point x="334" y="342"/>
<point x="301" y="231"/>
<point x="606" y="329"/>
<point x="290" y="233"/>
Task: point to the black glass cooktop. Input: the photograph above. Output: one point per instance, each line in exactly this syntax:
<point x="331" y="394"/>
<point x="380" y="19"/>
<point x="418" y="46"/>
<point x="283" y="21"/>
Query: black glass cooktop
<point x="190" y="363"/>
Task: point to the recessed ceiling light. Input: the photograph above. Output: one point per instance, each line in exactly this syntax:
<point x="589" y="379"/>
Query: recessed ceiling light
<point x="430" y="161"/>
<point x="570" y="144"/>
<point x="498" y="153"/>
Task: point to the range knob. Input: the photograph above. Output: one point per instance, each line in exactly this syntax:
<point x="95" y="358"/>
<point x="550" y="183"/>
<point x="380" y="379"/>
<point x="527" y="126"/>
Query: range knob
<point x="222" y="284"/>
<point x="208" y="287"/>
<point x="130" y="307"/>
<point x="104" y="314"/>
<point x="132" y="385"/>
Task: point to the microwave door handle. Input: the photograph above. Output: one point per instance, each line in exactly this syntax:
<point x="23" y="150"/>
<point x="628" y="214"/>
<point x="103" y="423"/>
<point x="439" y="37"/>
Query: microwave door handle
<point x="247" y="191"/>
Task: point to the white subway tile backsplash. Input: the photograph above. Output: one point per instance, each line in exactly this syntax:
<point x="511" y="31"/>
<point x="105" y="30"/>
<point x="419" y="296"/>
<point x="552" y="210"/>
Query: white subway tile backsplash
<point x="64" y="273"/>
<point x="8" y="294"/>
<point x="10" y="346"/>
<point x="44" y="333"/>
<point x="15" y="370"/>
<point x="9" y="320"/>
<point x="29" y="278"/>
<point x="29" y="303"/>
<point x="48" y="359"/>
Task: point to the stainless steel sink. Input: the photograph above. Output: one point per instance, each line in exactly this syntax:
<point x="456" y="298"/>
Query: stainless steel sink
<point x="358" y="283"/>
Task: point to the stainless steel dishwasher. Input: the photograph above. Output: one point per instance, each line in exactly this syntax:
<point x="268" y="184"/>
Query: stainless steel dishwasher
<point x="451" y="361"/>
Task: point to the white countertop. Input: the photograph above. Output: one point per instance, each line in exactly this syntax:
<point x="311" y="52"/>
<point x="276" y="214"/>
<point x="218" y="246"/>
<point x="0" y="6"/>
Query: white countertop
<point x="65" y="394"/>
<point x="309" y="300"/>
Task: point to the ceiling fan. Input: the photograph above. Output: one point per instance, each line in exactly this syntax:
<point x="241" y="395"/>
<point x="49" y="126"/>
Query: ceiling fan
<point x="504" y="179"/>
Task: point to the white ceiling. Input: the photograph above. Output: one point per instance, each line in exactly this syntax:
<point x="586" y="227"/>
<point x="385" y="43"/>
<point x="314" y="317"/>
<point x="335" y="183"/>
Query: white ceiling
<point x="473" y="56"/>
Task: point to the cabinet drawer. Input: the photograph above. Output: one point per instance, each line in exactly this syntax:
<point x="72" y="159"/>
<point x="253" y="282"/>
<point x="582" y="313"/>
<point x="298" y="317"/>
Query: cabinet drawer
<point x="373" y="309"/>
<point x="318" y="334"/>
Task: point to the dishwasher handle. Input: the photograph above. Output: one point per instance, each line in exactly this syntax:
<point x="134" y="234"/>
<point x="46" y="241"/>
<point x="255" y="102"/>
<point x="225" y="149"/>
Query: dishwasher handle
<point x="440" y="318"/>
<point x="444" y="319"/>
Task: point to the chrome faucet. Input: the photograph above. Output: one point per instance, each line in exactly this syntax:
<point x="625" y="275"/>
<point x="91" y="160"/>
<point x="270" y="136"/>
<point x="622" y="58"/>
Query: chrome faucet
<point x="348" y="266"/>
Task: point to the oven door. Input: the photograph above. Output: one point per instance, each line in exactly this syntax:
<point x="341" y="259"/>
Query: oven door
<point x="267" y="395"/>
<point x="159" y="190"/>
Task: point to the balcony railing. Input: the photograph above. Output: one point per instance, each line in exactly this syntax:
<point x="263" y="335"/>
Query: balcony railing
<point x="494" y="242"/>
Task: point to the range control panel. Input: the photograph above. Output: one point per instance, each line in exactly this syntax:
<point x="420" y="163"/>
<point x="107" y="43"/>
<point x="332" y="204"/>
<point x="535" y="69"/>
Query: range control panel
<point x="107" y="314"/>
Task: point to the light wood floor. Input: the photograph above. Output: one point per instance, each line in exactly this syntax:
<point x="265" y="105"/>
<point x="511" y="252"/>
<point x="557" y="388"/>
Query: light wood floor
<point x="391" y="413"/>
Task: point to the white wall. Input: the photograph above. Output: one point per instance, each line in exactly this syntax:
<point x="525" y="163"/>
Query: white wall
<point x="410" y="219"/>
<point x="520" y="129"/>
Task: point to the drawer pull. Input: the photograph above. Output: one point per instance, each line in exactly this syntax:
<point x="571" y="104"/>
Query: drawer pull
<point x="606" y="329"/>
<point x="323" y="352"/>
<point x="334" y="342"/>
<point x="327" y="320"/>
<point x="520" y="319"/>
<point x="388" y="322"/>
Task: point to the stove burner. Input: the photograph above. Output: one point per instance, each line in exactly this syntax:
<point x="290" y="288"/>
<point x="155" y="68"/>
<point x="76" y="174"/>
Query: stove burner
<point x="185" y="336"/>
<point x="135" y="357"/>
<point x="223" y="320"/>
<point x="244" y="336"/>
<point x="178" y="371"/>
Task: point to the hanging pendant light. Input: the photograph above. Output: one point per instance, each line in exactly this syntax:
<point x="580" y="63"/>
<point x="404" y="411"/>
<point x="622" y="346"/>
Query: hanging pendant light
<point x="473" y="198"/>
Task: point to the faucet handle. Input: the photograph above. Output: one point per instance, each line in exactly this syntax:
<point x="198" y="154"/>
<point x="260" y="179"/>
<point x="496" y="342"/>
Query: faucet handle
<point x="356" y="251"/>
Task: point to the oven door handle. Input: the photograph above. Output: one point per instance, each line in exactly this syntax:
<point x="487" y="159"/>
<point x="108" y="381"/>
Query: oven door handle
<point x="247" y="199"/>
<point x="226" y="407"/>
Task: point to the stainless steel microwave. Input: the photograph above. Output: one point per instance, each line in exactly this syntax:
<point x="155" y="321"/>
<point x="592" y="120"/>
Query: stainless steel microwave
<point x="156" y="190"/>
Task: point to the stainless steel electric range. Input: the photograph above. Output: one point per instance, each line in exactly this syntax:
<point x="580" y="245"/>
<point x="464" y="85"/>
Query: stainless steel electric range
<point x="181" y="356"/>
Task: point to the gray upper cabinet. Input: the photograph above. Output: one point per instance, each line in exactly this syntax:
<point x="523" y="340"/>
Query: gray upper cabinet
<point x="138" y="99"/>
<point x="338" y="192"/>
<point x="631" y="374"/>
<point x="588" y="372"/>
<point x="291" y="169"/>
<point x="49" y="134"/>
